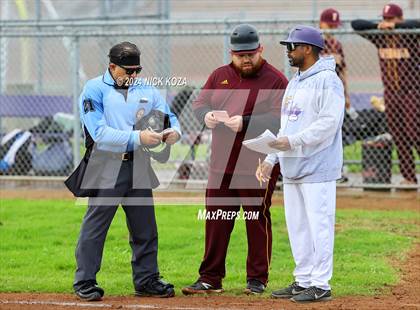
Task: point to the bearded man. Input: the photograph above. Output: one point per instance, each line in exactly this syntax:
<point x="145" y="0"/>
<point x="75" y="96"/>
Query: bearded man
<point x="239" y="101"/>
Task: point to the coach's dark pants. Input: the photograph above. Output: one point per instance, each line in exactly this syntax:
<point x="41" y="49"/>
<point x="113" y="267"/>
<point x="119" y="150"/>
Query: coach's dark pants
<point x="229" y="198"/>
<point x="141" y="224"/>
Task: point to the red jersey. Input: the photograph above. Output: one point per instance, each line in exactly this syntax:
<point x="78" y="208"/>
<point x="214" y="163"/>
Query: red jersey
<point x="334" y="48"/>
<point x="399" y="55"/>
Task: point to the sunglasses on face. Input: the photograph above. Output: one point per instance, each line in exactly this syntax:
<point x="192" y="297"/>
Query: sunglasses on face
<point x="292" y="46"/>
<point x="130" y="71"/>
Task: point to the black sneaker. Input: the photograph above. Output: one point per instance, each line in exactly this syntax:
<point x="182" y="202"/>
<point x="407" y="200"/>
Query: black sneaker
<point x="89" y="291"/>
<point x="312" y="294"/>
<point x="343" y="179"/>
<point x="200" y="287"/>
<point x="254" y="287"/>
<point x="155" y="287"/>
<point x="290" y="291"/>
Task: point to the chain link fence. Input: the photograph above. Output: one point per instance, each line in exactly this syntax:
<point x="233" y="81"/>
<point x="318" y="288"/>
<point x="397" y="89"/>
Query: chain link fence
<point x="43" y="67"/>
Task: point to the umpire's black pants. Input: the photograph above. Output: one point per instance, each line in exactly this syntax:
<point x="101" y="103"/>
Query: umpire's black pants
<point x="141" y="224"/>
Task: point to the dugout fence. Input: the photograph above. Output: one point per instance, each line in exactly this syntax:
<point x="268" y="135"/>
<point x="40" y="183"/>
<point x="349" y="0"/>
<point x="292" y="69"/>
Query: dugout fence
<point x="43" y="66"/>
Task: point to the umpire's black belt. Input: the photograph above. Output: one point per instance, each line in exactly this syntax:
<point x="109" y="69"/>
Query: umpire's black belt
<point x="127" y="156"/>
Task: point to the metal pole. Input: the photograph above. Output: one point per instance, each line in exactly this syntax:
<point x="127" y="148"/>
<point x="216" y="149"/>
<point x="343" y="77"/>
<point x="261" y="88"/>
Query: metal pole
<point x="143" y="21"/>
<point x="314" y="10"/>
<point x="226" y="41"/>
<point x="3" y="53"/>
<point x="105" y="8"/>
<point x="166" y="9"/>
<point x="75" y="62"/>
<point x="1" y="67"/>
<point x="39" y="55"/>
<point x="108" y="7"/>
<point x="164" y="12"/>
<point x="3" y="63"/>
<point x="1" y="75"/>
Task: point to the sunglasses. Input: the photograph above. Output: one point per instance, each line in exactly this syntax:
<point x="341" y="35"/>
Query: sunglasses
<point x="130" y="71"/>
<point x="292" y="46"/>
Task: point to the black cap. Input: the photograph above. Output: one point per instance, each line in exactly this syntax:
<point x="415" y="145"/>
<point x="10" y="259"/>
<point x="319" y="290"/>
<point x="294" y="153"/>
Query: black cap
<point x="125" y="54"/>
<point x="244" y="37"/>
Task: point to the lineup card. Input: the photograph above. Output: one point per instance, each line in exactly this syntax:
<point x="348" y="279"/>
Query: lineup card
<point x="260" y="143"/>
<point x="221" y="116"/>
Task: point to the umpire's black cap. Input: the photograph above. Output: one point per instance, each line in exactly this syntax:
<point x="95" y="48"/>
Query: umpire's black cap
<point x="244" y="37"/>
<point x="125" y="54"/>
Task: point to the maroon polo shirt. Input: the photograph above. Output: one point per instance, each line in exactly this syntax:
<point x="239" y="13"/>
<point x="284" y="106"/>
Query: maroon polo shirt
<point x="257" y="99"/>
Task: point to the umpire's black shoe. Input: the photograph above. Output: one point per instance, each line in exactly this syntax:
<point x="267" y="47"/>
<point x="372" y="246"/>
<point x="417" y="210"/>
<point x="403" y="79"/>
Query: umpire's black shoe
<point x="89" y="291"/>
<point x="312" y="294"/>
<point x="290" y="291"/>
<point x="155" y="287"/>
<point x="254" y="287"/>
<point x="200" y="287"/>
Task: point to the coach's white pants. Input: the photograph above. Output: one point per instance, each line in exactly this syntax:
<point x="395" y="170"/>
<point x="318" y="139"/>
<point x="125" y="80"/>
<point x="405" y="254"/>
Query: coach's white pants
<point x="310" y="218"/>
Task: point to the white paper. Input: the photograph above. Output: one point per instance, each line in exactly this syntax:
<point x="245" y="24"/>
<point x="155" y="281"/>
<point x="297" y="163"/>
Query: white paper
<point x="221" y="116"/>
<point x="260" y="143"/>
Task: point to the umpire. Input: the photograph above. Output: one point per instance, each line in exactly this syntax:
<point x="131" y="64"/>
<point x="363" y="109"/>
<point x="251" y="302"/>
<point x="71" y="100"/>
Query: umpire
<point x="110" y="106"/>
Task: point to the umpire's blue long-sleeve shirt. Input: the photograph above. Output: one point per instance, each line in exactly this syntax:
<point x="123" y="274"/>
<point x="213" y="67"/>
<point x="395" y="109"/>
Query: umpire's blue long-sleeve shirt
<point x="109" y="117"/>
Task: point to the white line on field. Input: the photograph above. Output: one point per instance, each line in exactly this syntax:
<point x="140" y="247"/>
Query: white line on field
<point x="96" y="305"/>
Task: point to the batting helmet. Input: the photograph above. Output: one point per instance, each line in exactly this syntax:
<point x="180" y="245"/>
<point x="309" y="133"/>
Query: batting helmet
<point x="306" y="35"/>
<point x="244" y="37"/>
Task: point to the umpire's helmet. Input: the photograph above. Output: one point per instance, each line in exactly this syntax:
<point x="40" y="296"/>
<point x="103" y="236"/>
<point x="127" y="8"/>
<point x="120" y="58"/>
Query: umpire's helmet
<point x="244" y="37"/>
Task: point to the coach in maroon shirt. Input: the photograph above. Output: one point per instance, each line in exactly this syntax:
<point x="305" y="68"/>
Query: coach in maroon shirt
<point x="250" y="90"/>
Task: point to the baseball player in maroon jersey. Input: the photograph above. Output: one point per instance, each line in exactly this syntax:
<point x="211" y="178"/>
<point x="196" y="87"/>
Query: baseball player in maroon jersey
<point x="399" y="62"/>
<point x="250" y="90"/>
<point x="330" y="19"/>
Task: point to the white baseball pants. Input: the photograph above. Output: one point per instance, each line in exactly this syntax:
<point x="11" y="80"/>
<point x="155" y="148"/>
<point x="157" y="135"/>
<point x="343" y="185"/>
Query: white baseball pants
<point x="310" y="219"/>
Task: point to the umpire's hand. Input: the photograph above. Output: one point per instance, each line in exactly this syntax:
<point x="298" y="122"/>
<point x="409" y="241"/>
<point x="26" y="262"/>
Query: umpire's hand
<point x="149" y="137"/>
<point x="172" y="138"/>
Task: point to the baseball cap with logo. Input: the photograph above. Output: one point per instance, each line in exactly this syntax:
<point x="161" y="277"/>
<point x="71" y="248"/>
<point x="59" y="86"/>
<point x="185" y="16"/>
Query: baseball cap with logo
<point x="392" y="10"/>
<point x="331" y="17"/>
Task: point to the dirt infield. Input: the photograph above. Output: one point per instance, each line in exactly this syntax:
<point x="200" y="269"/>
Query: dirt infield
<point x="346" y="199"/>
<point x="402" y="296"/>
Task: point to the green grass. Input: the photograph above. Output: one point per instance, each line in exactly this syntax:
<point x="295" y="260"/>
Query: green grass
<point x="354" y="152"/>
<point x="37" y="241"/>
